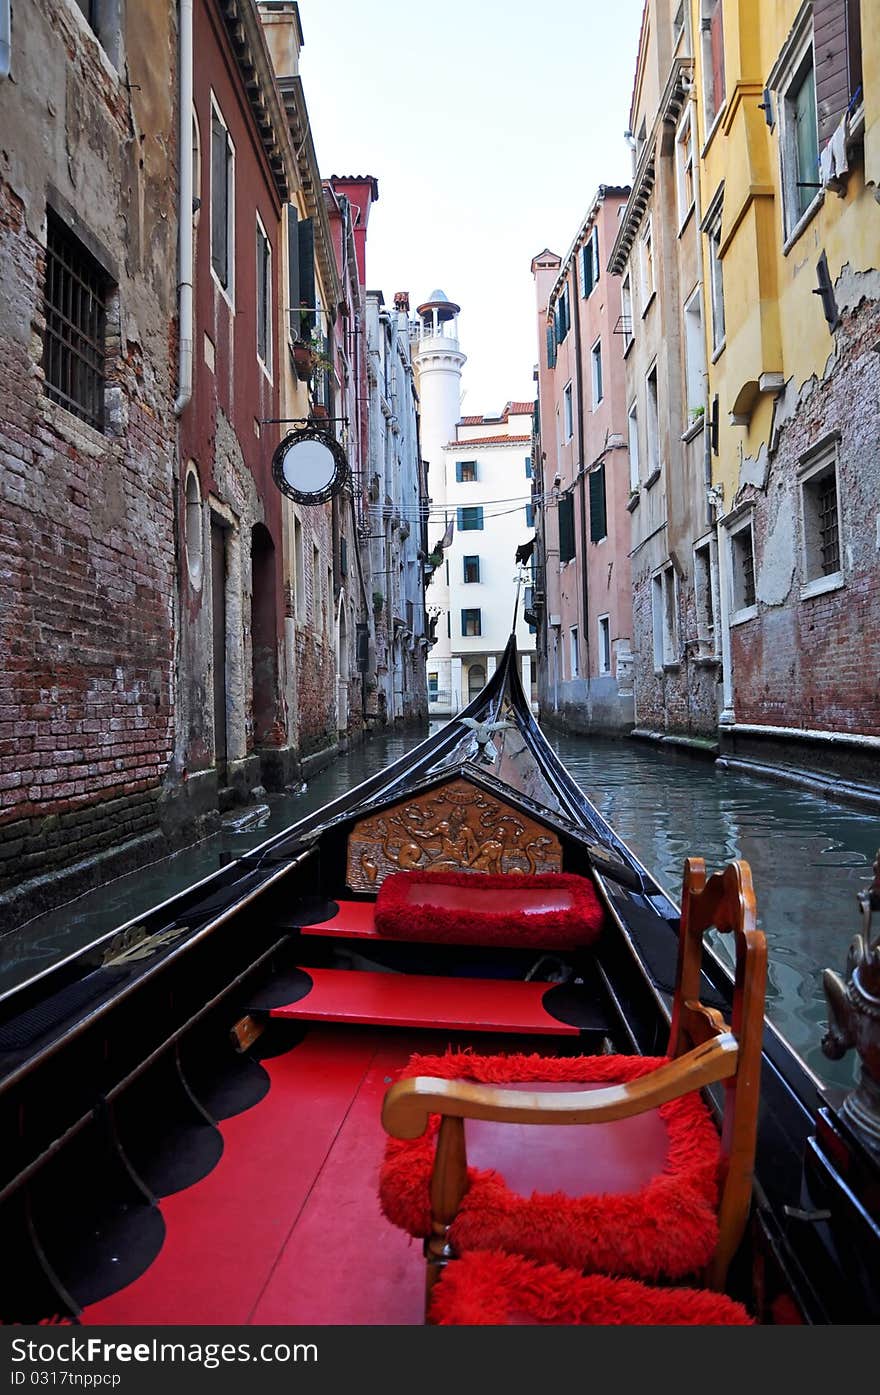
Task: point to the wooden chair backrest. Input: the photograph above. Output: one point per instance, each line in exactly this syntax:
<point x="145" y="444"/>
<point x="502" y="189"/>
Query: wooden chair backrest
<point x="725" y="902"/>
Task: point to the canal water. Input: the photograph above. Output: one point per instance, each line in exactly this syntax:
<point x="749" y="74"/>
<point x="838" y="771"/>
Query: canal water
<point x="809" y="858"/>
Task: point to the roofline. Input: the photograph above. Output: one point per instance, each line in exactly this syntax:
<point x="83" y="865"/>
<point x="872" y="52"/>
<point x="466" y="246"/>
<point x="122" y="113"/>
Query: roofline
<point x="602" y="193"/>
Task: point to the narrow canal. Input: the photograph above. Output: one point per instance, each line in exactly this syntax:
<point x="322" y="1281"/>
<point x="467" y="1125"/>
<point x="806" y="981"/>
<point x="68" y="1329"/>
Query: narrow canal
<point x="809" y="858"/>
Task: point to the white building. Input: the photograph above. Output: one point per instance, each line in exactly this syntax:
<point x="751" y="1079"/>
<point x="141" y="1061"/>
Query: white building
<point x="479" y="483"/>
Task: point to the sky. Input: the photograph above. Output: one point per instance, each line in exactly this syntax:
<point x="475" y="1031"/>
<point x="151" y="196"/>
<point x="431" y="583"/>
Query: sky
<point x="489" y="126"/>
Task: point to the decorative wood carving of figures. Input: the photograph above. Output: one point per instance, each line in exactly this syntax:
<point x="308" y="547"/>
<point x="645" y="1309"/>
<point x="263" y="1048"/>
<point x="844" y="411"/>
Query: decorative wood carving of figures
<point x="456" y="827"/>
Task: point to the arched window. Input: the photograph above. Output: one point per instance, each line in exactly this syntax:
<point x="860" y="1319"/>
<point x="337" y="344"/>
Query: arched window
<point x="476" y="680"/>
<point x="193" y="527"/>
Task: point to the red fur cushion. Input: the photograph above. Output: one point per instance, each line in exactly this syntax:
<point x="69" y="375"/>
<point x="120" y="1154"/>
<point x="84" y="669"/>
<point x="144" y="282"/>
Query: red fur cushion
<point x="550" y="910"/>
<point x="488" y="1289"/>
<point x="666" y="1229"/>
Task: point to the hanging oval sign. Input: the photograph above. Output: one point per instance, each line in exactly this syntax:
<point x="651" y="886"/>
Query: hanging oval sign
<point x="309" y="466"/>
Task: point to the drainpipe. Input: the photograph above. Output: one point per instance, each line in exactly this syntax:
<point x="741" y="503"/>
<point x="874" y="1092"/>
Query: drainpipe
<point x="5" y="37"/>
<point x="185" y="212"/>
<point x="582" y="471"/>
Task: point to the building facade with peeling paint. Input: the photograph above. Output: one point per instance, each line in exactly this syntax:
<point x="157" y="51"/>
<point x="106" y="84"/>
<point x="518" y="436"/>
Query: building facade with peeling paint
<point x="787" y="116"/>
<point x="657" y="254"/>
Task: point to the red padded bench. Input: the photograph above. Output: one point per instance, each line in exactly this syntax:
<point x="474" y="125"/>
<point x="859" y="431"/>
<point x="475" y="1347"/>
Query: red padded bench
<point x="550" y="910"/>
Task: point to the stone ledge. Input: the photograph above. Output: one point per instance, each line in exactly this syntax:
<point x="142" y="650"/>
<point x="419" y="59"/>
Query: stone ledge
<point x="828" y="786"/>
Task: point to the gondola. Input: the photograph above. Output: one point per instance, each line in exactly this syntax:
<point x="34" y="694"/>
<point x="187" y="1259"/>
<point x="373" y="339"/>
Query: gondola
<point x="241" y="1107"/>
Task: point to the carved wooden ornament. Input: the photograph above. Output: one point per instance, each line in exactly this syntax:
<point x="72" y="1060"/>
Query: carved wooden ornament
<point x="457" y="827"/>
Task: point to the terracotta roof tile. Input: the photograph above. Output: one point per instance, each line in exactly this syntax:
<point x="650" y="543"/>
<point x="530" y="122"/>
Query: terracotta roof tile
<point x="490" y="441"/>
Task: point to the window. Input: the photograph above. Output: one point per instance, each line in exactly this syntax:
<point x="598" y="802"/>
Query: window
<point x="470" y="623"/>
<point x="714" y="86"/>
<point x="299" y="569"/>
<point x="316" y="585"/>
<point x="742" y="572"/>
<point x="74" y="348"/>
<point x="678" y="26"/>
<point x="471" y="569"/>
<point x="563" y="315"/>
<point x="712" y="227"/>
<point x="302" y="296"/>
<point x="476" y="681"/>
<point x="264" y="298"/>
<point x="529" y="608"/>
<point x="684" y="167"/>
<point x="798" y="137"/>
<point x="573" y="657"/>
<point x="647" y="265"/>
<point x="664" y="617"/>
<point x="604" y="643"/>
<point x="633" y="442"/>
<point x="528" y="467"/>
<point x="103" y="18"/>
<point x="530" y="515"/>
<point x="566" y="527"/>
<point x="433" y="685"/>
<point x="653" y="426"/>
<point x="598" y="517"/>
<point x="695" y="360"/>
<point x="705" y="598"/>
<point x="567" y="416"/>
<point x="470" y="518"/>
<point x="589" y="263"/>
<point x="193" y="528"/>
<point x="596" y="368"/>
<point x="465" y="471"/>
<point x="820" y="519"/>
<point x="626" y="312"/>
<point x="222" y="199"/>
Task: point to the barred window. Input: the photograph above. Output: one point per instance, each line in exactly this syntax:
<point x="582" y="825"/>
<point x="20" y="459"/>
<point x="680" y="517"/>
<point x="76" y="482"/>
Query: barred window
<point x="76" y="312"/>
<point x="820" y="519"/>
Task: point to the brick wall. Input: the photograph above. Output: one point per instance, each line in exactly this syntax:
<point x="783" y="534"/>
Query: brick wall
<point x="86" y="541"/>
<point x="815" y="662"/>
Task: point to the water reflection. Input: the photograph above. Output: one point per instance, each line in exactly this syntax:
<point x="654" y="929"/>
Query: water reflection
<point x="809" y="857"/>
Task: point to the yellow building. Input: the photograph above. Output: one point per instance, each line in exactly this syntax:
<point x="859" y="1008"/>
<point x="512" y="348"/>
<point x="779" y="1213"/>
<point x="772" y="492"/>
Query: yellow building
<point x="789" y="151"/>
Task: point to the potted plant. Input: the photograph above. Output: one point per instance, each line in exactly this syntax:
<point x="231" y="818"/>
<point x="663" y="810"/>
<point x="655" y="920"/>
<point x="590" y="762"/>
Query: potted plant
<point x="378" y="602"/>
<point x="303" y="357"/>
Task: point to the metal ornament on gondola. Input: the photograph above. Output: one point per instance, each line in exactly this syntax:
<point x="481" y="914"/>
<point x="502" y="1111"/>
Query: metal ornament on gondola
<point x="309" y="465"/>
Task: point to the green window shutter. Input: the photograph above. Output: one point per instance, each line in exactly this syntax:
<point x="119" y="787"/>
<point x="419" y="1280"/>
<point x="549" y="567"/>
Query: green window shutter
<point x="587" y="258"/>
<point x="458" y="467"/>
<point x="594" y="246"/>
<point x="598" y="518"/>
<point x="551" y="347"/>
<point x="306" y="241"/>
<point x="566" y="527"/>
<point x="292" y="269"/>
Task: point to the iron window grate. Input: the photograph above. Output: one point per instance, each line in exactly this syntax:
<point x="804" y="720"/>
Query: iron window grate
<point x="747" y="556"/>
<point x="73" y="350"/>
<point x="829" y="538"/>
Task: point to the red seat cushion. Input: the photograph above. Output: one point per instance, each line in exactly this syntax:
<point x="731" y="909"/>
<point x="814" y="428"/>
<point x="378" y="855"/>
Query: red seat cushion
<point x="653" y="1218"/>
<point x="486" y="1288"/>
<point x="551" y="910"/>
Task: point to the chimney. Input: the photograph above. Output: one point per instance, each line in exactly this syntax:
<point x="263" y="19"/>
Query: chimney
<point x="284" y="35"/>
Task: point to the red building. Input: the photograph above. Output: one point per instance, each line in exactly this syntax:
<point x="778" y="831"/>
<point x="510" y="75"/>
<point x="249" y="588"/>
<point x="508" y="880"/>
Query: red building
<point x="232" y="722"/>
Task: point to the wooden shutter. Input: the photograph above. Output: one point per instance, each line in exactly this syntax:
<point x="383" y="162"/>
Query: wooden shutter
<point x="306" y="249"/>
<point x="219" y="201"/>
<point x="292" y="270"/>
<point x="598" y="517"/>
<point x="566" y="527"/>
<point x="551" y="347"/>
<point x="716" y="37"/>
<point x="837" y="46"/>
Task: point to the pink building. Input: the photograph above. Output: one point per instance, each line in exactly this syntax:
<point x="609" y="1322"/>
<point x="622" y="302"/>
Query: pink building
<point x="582" y="482"/>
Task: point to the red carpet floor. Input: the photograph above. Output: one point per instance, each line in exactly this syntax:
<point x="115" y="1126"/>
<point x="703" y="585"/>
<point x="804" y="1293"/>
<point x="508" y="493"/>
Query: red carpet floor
<point x="287" y="1227"/>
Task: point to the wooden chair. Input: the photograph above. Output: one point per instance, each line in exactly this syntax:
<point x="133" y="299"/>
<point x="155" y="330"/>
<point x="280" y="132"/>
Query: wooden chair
<point x="688" y="1218"/>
